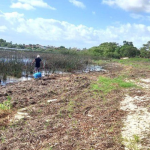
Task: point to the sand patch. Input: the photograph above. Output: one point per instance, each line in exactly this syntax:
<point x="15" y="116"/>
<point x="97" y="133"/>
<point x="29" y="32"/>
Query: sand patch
<point x="19" y="115"/>
<point x="136" y="124"/>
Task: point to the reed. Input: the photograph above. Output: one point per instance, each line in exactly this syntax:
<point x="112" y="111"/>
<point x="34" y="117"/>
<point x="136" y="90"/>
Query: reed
<point x="18" y="63"/>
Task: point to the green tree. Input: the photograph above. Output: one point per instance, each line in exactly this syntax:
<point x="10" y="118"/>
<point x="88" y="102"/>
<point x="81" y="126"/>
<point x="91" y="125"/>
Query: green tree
<point x="129" y="51"/>
<point x="147" y="45"/>
<point x="109" y="48"/>
<point x="106" y="49"/>
<point x="62" y="47"/>
<point x="96" y="51"/>
<point x="127" y="43"/>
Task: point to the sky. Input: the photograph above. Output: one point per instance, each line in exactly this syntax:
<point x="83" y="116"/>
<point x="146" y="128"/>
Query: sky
<point x="75" y="23"/>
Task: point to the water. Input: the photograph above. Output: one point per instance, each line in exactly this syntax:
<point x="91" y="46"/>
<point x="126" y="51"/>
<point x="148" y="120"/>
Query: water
<point x="24" y="60"/>
<point x="88" y="68"/>
<point x="14" y="80"/>
<point x="7" y="48"/>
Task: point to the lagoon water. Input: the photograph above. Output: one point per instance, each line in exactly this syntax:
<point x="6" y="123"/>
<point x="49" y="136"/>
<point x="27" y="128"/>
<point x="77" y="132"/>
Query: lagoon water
<point x="14" y="80"/>
<point x="88" y="68"/>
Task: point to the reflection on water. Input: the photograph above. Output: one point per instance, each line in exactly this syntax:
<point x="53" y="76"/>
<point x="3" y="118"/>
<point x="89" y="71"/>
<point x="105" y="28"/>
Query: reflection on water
<point x="24" y="60"/>
<point x="14" y="80"/>
<point x="88" y="68"/>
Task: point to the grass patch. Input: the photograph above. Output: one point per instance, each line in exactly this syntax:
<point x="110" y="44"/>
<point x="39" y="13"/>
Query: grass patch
<point x="130" y="60"/>
<point x="138" y="63"/>
<point x="5" y="110"/>
<point x="6" y="105"/>
<point x="132" y="143"/>
<point x="70" y="108"/>
<point x="106" y="84"/>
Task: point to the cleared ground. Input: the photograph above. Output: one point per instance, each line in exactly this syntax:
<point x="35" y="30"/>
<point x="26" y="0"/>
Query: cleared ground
<point x="63" y="112"/>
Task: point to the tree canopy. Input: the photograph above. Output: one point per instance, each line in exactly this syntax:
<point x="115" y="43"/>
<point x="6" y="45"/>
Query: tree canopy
<point x="106" y="49"/>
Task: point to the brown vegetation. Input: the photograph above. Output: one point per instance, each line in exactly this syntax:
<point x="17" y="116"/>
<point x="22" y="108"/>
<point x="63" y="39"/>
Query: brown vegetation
<point x="77" y="118"/>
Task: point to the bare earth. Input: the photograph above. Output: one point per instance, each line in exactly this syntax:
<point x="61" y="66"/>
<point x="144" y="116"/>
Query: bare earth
<point x="61" y="112"/>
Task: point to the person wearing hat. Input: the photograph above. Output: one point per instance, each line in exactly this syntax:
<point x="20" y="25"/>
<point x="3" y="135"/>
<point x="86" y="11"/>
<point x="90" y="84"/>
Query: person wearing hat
<point x="37" y="62"/>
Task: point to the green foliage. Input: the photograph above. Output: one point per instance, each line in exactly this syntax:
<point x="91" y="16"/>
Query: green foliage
<point x="147" y="46"/>
<point x="3" y="43"/>
<point x="106" y="85"/>
<point x="15" y="63"/>
<point x="113" y="50"/>
<point x="6" y="105"/>
<point x="71" y="106"/>
<point x="127" y="43"/>
<point x="136" y="138"/>
<point x="105" y="49"/>
<point x="2" y="139"/>
<point x="144" y="53"/>
<point x="131" y="60"/>
<point x="132" y="143"/>
<point x="11" y="67"/>
<point x="137" y="63"/>
<point x="129" y="51"/>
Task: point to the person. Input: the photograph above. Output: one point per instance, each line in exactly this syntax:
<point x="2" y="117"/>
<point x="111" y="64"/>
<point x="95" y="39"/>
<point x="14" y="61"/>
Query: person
<point x="37" y="62"/>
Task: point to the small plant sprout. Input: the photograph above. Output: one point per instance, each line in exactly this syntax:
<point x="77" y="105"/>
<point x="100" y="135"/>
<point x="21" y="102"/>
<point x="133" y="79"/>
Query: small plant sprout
<point x="6" y="105"/>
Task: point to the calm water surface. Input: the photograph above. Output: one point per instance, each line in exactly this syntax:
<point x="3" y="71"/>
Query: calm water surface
<point x="89" y="68"/>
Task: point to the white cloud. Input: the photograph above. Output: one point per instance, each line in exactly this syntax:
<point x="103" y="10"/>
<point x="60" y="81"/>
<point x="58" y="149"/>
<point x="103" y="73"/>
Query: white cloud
<point x="138" y="16"/>
<point x="31" y="4"/>
<point x="3" y="28"/>
<point x="13" y="17"/>
<point x="22" y="6"/>
<point x="77" y="3"/>
<point x="130" y="5"/>
<point x="54" y="31"/>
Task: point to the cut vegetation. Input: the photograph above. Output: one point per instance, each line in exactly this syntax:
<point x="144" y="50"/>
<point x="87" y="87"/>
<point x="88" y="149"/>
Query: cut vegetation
<point x="88" y="111"/>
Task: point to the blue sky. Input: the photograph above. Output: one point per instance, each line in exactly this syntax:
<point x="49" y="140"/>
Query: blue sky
<point x="75" y="23"/>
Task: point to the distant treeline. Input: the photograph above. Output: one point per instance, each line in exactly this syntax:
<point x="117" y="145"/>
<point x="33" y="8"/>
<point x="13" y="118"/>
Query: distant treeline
<point x="113" y="50"/>
<point x="32" y="47"/>
<point x="104" y="50"/>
